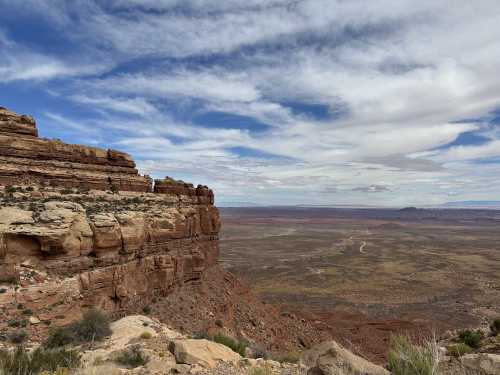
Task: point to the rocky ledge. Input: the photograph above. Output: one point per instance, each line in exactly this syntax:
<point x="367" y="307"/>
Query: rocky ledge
<point x="79" y="227"/>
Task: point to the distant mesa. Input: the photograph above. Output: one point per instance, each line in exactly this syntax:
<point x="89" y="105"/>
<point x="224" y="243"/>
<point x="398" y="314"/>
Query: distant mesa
<point x="409" y="209"/>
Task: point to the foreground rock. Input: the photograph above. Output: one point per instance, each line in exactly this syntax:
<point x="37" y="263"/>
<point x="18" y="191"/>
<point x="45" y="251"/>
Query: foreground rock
<point x="199" y="356"/>
<point x="202" y="352"/>
<point x="329" y="358"/>
<point x="489" y="364"/>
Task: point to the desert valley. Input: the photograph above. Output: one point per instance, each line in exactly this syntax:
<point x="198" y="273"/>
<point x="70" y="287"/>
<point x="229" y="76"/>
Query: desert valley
<point x="368" y="273"/>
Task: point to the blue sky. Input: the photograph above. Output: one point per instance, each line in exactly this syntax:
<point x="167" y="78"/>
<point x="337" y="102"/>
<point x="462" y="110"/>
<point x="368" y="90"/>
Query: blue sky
<point x="393" y="102"/>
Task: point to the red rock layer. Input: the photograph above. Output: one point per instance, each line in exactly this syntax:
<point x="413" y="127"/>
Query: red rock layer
<point x="27" y="159"/>
<point x="63" y="252"/>
<point x="171" y="186"/>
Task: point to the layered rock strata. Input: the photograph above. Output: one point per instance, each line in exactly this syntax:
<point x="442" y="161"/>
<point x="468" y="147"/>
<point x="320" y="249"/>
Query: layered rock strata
<point x="67" y="242"/>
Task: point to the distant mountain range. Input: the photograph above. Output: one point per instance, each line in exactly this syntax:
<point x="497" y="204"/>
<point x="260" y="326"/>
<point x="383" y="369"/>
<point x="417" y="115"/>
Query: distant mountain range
<point x="458" y="204"/>
<point x="472" y="204"/>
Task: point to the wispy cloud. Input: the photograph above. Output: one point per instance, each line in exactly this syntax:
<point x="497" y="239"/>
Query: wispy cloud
<point x="19" y="63"/>
<point x="395" y="82"/>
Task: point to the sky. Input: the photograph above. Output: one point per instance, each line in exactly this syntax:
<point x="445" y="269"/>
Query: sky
<point x="270" y="102"/>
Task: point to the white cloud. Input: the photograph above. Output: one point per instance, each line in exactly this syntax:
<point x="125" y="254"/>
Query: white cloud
<point x="138" y="106"/>
<point x="213" y="85"/>
<point x="18" y="63"/>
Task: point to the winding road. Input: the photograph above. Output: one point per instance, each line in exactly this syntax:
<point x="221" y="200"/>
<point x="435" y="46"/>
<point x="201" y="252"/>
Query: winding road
<point x="363" y="244"/>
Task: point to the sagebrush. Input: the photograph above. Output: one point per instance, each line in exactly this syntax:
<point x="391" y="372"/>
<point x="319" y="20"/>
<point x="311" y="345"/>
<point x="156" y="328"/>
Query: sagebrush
<point x="94" y="326"/>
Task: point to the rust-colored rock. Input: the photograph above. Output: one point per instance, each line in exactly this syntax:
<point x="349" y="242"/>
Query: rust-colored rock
<point x="26" y="159"/>
<point x="117" y="247"/>
<point x="12" y="123"/>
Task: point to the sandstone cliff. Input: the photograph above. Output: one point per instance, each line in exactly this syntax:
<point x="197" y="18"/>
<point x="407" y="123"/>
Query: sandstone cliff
<point x="79" y="227"/>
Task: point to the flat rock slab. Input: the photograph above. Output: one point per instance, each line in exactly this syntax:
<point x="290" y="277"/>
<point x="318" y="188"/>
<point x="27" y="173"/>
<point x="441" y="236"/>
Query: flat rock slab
<point x="202" y="352"/>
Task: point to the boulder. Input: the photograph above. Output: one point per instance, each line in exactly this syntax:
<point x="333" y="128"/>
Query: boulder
<point x="489" y="364"/>
<point x="329" y="358"/>
<point x="202" y="352"/>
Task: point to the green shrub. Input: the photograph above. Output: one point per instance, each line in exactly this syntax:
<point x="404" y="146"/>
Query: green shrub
<point x="22" y="362"/>
<point x="9" y="189"/>
<point x="406" y="358"/>
<point x="146" y="335"/>
<point x="237" y="346"/>
<point x="495" y="327"/>
<point x="58" y="337"/>
<point x="266" y="370"/>
<point x="146" y="310"/>
<point x="94" y="326"/>
<point x="458" y="350"/>
<point x="18" y="337"/>
<point x="471" y="338"/>
<point x="290" y="357"/>
<point x="132" y="357"/>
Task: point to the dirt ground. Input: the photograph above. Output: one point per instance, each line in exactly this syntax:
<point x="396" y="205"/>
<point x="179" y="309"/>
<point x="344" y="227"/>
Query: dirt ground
<point x="369" y="273"/>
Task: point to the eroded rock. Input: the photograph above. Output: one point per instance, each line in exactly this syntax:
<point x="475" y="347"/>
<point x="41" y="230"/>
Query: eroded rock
<point x="85" y="246"/>
<point x="202" y="352"/>
<point x="329" y="358"/>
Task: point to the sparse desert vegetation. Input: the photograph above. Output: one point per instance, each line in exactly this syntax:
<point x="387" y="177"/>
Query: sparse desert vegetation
<point x="23" y="362"/>
<point x="94" y="326"/>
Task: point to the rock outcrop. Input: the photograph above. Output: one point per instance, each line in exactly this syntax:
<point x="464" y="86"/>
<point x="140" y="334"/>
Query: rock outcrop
<point x="329" y="358"/>
<point x="79" y="227"/>
<point x="202" y="352"/>
<point x="27" y="159"/>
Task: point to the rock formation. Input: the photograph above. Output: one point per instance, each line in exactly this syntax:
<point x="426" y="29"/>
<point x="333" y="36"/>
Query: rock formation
<point x="79" y="227"/>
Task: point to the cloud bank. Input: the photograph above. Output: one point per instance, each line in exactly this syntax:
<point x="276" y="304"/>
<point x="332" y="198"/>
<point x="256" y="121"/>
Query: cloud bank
<point x="274" y="102"/>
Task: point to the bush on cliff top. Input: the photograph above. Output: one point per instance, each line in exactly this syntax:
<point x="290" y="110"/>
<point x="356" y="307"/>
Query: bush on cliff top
<point x="94" y="326"/>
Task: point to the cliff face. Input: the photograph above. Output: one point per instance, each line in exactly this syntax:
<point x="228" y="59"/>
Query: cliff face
<point x="79" y="227"/>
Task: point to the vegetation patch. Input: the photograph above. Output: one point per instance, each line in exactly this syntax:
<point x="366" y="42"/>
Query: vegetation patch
<point x="458" y="350"/>
<point x="94" y="326"/>
<point x="290" y="357"/>
<point x="23" y="362"/>
<point x="266" y="370"/>
<point x="405" y="358"/>
<point x="471" y="338"/>
<point x="495" y="327"/>
<point x="132" y="357"/>
<point x="237" y="346"/>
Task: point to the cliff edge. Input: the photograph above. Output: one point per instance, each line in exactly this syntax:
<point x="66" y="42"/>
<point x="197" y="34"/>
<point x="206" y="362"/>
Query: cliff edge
<point x="79" y="228"/>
